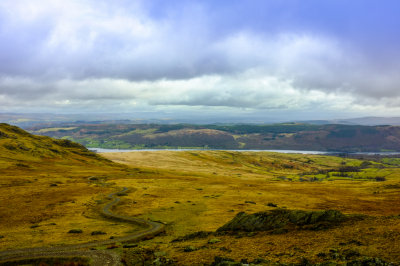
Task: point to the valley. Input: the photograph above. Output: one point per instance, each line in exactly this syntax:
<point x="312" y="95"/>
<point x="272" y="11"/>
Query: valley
<point x="199" y="133"/>
<point x="62" y="187"/>
<point x="207" y="189"/>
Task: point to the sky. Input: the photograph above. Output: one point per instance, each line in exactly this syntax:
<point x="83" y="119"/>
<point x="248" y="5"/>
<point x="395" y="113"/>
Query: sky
<point x="260" y="59"/>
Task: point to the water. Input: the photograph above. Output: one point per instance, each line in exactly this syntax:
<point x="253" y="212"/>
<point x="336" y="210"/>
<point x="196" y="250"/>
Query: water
<point x="101" y="150"/>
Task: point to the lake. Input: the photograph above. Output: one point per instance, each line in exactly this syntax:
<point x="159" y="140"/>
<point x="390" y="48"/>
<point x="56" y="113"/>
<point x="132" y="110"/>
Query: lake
<point x="101" y="150"/>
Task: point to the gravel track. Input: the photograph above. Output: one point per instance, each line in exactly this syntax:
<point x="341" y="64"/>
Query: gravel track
<point x="98" y="257"/>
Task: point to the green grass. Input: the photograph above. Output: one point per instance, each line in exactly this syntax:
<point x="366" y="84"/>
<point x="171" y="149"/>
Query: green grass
<point x="52" y="129"/>
<point x="139" y="131"/>
<point x="391" y="161"/>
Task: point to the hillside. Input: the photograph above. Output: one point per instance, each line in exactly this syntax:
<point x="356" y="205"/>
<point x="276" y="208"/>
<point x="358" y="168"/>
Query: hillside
<point x="52" y="191"/>
<point x="19" y="145"/>
<point x="295" y="136"/>
<point x="24" y="152"/>
<point x="47" y="187"/>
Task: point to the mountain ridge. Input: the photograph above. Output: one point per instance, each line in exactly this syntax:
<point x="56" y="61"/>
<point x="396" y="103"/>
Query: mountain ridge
<point x="292" y="136"/>
<point x="26" y="120"/>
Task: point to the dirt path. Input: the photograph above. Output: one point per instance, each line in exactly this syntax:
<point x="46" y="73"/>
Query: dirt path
<point x="99" y="257"/>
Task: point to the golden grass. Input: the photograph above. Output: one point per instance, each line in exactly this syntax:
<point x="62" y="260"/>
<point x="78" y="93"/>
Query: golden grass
<point x="38" y="208"/>
<point x="48" y="187"/>
<point x="202" y="190"/>
<point x="375" y="238"/>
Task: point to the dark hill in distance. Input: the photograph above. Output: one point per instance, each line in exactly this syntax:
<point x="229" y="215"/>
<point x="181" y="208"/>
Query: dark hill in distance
<point x="294" y="136"/>
<point x="28" y="120"/>
<point x="362" y="121"/>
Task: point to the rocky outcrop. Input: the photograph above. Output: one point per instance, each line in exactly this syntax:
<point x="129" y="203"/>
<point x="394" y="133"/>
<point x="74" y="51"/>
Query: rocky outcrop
<point x="282" y="220"/>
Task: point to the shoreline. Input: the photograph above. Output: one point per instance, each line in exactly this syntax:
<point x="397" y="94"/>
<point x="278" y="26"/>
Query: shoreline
<point x="102" y="150"/>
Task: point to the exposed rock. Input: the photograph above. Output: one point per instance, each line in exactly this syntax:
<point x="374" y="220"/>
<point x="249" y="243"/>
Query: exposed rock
<point x="221" y="261"/>
<point x="369" y="261"/>
<point x="200" y="234"/>
<point x="98" y="233"/>
<point x="3" y="135"/>
<point x="280" y="220"/>
<point x="145" y="256"/>
<point x="75" y="231"/>
<point x="130" y="245"/>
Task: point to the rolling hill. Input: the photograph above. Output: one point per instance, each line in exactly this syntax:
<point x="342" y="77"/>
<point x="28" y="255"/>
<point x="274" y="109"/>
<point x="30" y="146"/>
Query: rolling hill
<point x="295" y="136"/>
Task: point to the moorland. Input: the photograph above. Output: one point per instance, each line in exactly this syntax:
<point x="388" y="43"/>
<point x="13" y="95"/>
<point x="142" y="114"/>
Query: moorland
<point x="217" y="207"/>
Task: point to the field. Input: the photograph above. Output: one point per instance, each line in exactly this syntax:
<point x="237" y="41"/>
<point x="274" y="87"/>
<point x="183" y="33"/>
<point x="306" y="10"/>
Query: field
<point x="49" y="187"/>
<point x="201" y="191"/>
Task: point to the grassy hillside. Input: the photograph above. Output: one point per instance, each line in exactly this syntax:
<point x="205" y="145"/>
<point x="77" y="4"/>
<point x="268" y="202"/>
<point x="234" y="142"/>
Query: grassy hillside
<point x="19" y="145"/>
<point x="348" y="138"/>
<point x="48" y="187"/>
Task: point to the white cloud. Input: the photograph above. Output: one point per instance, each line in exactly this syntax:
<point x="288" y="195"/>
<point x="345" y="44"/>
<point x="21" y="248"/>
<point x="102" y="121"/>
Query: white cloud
<point x="250" y="90"/>
<point x="86" y="53"/>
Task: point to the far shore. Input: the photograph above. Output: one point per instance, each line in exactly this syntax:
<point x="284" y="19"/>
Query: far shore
<point x="101" y="150"/>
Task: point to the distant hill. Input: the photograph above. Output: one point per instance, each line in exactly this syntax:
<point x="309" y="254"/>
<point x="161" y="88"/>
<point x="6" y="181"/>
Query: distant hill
<point x="364" y="121"/>
<point x="28" y="120"/>
<point x="372" y="121"/>
<point x="296" y="136"/>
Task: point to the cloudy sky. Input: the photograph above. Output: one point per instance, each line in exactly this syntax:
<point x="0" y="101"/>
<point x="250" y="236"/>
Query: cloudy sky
<point x="286" y="59"/>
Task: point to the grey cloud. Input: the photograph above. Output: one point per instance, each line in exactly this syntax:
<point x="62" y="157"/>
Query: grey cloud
<point x="41" y="49"/>
<point x="24" y="89"/>
<point x="55" y="58"/>
<point x="363" y="80"/>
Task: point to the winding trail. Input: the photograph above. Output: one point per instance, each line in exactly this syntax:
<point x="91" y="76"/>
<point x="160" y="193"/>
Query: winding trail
<point x="98" y="257"/>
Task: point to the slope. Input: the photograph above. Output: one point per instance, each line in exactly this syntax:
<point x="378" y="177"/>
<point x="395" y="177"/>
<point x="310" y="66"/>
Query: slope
<point x="48" y="187"/>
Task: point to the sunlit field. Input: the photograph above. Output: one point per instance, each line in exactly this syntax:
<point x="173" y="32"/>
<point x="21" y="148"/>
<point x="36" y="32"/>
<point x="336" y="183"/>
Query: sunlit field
<point x="202" y="190"/>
